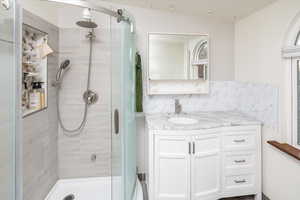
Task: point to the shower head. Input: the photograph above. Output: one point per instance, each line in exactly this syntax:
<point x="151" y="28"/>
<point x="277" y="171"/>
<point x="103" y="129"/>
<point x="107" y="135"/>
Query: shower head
<point x="87" y="24"/>
<point x="87" y="19"/>
<point x="65" y="64"/>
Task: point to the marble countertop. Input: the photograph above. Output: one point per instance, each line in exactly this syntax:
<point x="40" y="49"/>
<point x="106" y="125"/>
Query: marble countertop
<point x="205" y="120"/>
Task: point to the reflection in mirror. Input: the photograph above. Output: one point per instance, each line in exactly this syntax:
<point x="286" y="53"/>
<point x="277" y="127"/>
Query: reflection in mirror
<point x="178" y="57"/>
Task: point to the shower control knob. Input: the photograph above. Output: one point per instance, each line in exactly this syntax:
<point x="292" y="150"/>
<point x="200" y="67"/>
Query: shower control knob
<point x="90" y="97"/>
<point x="5" y="4"/>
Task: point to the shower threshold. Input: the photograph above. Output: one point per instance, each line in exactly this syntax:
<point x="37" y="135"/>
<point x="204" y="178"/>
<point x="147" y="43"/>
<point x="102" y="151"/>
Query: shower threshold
<point x="82" y="189"/>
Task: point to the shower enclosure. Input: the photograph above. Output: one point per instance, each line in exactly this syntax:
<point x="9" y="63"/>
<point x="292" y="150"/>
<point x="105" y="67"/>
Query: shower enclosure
<point x="122" y="109"/>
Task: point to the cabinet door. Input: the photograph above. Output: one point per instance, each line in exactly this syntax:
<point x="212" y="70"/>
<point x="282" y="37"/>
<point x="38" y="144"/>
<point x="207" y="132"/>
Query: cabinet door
<point x="206" y="167"/>
<point x="172" y="168"/>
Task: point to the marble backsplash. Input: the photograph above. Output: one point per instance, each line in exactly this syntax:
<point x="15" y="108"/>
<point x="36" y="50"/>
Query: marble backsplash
<point x="256" y="100"/>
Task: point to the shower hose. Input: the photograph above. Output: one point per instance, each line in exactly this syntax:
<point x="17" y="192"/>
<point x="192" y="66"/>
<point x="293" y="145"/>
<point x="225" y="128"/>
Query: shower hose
<point x="76" y="131"/>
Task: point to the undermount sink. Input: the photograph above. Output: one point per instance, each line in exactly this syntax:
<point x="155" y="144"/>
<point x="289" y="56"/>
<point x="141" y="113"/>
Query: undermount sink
<point x="182" y="120"/>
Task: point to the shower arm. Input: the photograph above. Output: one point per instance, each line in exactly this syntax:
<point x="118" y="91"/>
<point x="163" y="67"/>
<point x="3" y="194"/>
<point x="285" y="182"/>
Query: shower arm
<point x="84" y="4"/>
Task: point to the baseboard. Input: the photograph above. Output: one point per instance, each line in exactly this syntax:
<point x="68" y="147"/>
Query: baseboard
<point x="264" y="197"/>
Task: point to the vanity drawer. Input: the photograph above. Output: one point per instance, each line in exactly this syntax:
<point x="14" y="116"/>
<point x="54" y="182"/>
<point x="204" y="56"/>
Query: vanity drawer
<point x="239" y="141"/>
<point x="239" y="160"/>
<point x="236" y="181"/>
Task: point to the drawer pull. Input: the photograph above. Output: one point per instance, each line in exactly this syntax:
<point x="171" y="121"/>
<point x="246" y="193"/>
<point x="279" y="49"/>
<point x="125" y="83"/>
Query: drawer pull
<point x="240" y="161"/>
<point x="239" y="141"/>
<point x="240" y="181"/>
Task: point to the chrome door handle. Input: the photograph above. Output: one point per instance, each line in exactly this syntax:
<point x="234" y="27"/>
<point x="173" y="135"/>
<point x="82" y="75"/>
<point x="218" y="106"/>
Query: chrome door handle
<point x="116" y="121"/>
<point x="5" y="4"/>
<point x="194" y="147"/>
<point x="189" y="148"/>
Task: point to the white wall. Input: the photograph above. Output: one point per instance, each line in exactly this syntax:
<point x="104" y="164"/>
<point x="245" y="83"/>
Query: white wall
<point x="221" y="36"/>
<point x="46" y="10"/>
<point x="149" y="20"/>
<point x="259" y="39"/>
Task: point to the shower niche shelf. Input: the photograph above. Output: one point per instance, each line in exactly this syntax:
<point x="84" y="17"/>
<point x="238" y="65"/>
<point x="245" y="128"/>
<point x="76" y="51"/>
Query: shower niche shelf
<point x="35" y="50"/>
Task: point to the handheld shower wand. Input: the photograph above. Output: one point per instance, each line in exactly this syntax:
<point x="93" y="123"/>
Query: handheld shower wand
<point x="64" y="66"/>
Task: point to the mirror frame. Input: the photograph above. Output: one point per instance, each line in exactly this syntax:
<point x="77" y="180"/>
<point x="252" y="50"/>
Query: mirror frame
<point x="174" y="87"/>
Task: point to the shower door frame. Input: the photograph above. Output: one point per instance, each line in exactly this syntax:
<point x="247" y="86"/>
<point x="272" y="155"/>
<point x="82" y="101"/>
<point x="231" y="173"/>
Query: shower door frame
<point x="16" y="138"/>
<point x="85" y="4"/>
<point x="123" y="81"/>
<point x="18" y="102"/>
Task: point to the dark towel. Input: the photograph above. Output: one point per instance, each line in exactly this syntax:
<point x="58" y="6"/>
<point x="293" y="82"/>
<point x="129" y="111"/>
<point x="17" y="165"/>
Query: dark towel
<point x="138" y="83"/>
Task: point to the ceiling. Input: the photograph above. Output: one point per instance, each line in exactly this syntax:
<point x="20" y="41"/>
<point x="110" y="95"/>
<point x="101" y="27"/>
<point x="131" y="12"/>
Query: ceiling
<point x="223" y="9"/>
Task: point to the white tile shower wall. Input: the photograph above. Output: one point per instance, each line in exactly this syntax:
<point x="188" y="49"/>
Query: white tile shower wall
<point x="75" y="152"/>
<point x="40" y="129"/>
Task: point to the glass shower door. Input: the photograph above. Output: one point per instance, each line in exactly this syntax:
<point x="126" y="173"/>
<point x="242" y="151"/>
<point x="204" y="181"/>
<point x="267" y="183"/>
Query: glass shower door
<point x="7" y="102"/>
<point x="123" y="112"/>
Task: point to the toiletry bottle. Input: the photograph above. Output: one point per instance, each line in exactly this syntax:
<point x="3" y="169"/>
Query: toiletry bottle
<point x="34" y="98"/>
<point x="37" y="96"/>
<point x="42" y="95"/>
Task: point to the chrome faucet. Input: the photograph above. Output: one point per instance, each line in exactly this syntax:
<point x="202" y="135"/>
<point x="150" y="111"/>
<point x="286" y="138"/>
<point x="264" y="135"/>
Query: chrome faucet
<point x="178" y="107"/>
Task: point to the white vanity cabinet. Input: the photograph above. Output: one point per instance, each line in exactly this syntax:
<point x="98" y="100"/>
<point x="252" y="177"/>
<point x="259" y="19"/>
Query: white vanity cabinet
<point x="204" y="164"/>
<point x="172" y="167"/>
